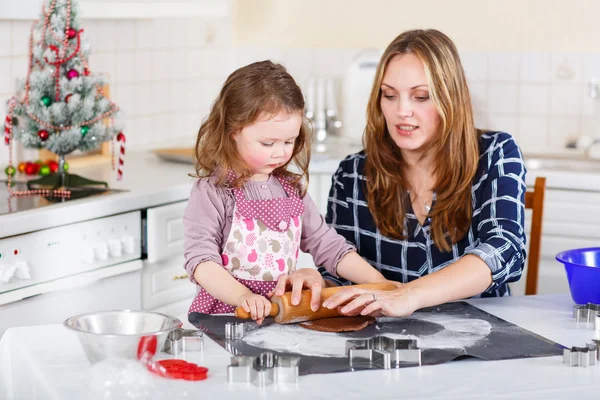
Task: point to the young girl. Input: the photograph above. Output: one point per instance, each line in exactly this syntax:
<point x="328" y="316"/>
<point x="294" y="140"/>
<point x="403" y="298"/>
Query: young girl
<point x="248" y="216"/>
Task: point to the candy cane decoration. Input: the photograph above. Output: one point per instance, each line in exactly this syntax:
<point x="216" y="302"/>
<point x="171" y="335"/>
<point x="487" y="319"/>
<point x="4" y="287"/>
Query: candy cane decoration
<point x="121" y="138"/>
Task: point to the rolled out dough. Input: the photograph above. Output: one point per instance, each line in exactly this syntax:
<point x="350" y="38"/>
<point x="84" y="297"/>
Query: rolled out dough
<point x="339" y="324"/>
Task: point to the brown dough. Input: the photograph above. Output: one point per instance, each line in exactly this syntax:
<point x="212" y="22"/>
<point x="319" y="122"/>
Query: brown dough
<point x="339" y="324"/>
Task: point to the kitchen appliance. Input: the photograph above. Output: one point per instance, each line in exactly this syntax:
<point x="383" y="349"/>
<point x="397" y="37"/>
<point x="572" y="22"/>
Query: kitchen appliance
<point x="51" y="274"/>
<point x="358" y="82"/>
<point x="321" y="109"/>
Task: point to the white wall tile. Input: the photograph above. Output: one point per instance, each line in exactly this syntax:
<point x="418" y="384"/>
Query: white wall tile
<point x="143" y="66"/>
<point x="18" y="69"/>
<point x="503" y="98"/>
<point x="533" y="133"/>
<point x="479" y="97"/>
<point x="589" y="106"/>
<point x="163" y="33"/>
<point x="163" y="66"/>
<point x="504" y="67"/>
<point x="503" y="122"/>
<point x="566" y="67"/>
<point x="590" y="126"/>
<point x="475" y="66"/>
<point x="179" y="92"/>
<point x="300" y="63"/>
<point x="125" y="35"/>
<point x="163" y="97"/>
<point x="179" y="64"/>
<point x="103" y="63"/>
<point x="566" y="100"/>
<point x="5" y="38"/>
<point x="533" y="99"/>
<point x="20" y="38"/>
<point x="198" y="62"/>
<point x="124" y="67"/>
<point x="591" y="66"/>
<point x="100" y="34"/>
<point x="561" y="129"/>
<point x="122" y="95"/>
<point x="6" y="85"/>
<point x="145" y="35"/>
<point x="535" y="67"/>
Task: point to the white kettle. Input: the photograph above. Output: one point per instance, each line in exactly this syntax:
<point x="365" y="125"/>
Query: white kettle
<point x="358" y="82"/>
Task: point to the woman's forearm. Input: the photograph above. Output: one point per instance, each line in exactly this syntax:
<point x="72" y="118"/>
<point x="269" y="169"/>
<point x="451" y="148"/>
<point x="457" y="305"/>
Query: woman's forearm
<point x="219" y="283"/>
<point x="467" y="277"/>
<point x="357" y="270"/>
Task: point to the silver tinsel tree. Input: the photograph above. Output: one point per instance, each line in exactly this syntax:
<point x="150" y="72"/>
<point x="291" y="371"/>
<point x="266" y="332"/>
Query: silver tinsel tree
<point x="60" y="105"/>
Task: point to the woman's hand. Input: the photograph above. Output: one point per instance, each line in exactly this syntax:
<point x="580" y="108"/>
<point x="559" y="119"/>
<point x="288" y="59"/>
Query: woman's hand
<point x="258" y="306"/>
<point x="305" y="278"/>
<point x="399" y="302"/>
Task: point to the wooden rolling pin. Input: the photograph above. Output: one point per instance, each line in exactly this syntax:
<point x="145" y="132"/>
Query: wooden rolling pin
<point x="286" y="313"/>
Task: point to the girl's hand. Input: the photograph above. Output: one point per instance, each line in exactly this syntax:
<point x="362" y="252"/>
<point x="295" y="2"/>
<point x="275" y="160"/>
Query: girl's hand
<point x="258" y="306"/>
<point x="305" y="278"/>
<point x="399" y="302"/>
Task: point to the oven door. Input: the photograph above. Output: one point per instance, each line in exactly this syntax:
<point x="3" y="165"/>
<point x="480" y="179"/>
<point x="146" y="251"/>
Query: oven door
<point x="114" y="287"/>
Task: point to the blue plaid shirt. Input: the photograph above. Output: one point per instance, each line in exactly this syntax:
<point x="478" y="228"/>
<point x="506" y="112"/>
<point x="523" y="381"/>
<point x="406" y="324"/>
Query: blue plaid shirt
<point x="496" y="235"/>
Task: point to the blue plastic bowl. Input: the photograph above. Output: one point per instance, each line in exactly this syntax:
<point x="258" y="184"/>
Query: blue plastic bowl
<point x="583" y="273"/>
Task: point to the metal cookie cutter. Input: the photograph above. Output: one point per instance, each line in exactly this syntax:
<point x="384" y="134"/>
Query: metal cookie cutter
<point x="383" y="352"/>
<point x="581" y="356"/>
<point x="263" y="370"/>
<point x="180" y="340"/>
<point x="586" y="312"/>
<point x="234" y="330"/>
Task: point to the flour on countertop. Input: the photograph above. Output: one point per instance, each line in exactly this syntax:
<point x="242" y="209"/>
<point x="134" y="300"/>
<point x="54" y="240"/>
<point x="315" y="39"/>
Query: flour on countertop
<point x="457" y="333"/>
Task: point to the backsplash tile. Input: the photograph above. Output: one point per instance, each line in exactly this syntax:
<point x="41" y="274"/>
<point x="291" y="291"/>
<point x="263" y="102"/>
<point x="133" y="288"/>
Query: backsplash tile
<point x="166" y="73"/>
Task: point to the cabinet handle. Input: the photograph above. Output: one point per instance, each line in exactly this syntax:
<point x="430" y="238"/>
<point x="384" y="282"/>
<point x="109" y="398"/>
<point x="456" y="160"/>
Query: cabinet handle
<point x="177" y="277"/>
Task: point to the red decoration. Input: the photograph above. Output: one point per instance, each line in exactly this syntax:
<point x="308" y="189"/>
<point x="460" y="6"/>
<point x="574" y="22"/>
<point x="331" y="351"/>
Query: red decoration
<point x="30" y="168"/>
<point x="72" y="74"/>
<point x="43" y="134"/>
<point x="86" y="72"/>
<point x="121" y="138"/>
<point x="68" y="97"/>
<point x="71" y="33"/>
<point x="53" y="165"/>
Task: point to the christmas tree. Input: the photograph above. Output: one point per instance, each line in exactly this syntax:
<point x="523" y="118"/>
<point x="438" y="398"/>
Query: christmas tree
<point x="60" y="105"/>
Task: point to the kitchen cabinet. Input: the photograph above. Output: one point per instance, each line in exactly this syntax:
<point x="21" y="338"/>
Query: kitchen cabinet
<point x="123" y="9"/>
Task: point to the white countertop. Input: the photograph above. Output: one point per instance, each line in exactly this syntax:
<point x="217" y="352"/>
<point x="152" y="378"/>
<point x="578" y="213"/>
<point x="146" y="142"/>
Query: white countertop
<point x="150" y="181"/>
<point x="47" y="362"/>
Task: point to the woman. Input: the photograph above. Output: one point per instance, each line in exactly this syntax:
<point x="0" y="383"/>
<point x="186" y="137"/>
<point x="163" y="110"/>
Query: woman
<point x="431" y="202"/>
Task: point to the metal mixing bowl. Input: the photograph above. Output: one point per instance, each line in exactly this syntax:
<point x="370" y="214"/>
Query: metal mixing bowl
<point x="121" y="333"/>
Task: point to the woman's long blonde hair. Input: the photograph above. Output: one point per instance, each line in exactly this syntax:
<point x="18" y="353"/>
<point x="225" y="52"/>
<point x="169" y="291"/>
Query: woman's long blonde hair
<point x="454" y="150"/>
<point x="260" y="88"/>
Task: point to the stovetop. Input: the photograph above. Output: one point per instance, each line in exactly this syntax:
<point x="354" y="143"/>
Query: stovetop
<point x="12" y="204"/>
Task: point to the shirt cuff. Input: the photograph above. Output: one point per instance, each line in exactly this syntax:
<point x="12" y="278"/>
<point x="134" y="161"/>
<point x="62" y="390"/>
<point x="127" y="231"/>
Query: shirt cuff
<point x="349" y="248"/>
<point x="487" y="253"/>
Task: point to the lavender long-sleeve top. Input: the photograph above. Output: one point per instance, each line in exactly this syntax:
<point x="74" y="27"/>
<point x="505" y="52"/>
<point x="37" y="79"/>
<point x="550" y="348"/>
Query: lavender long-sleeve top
<point x="209" y="212"/>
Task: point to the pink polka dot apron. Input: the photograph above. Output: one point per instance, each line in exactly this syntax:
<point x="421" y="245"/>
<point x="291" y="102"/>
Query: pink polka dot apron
<point x="263" y="244"/>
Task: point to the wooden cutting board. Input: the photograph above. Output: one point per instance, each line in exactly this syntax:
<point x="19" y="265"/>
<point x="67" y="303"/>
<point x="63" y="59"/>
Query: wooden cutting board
<point x="183" y="155"/>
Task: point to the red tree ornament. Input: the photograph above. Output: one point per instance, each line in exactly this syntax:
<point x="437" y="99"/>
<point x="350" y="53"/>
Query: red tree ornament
<point x="71" y="33"/>
<point x="43" y="134"/>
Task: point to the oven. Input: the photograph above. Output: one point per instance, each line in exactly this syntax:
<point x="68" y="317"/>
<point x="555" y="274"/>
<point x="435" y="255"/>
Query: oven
<point x="49" y="275"/>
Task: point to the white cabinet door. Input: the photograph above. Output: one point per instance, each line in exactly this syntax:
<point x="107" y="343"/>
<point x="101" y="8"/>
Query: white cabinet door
<point x="164" y="230"/>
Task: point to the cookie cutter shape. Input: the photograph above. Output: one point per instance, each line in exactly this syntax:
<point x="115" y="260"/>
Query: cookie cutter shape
<point x="263" y="370"/>
<point x="234" y="330"/>
<point x="383" y="352"/>
<point x="586" y="312"/>
<point x="581" y="356"/>
<point x="180" y="340"/>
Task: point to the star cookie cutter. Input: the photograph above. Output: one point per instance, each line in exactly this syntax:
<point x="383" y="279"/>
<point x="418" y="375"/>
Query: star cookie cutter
<point x="263" y="370"/>
<point x="180" y="340"/>
<point x="581" y="356"/>
<point x="383" y="352"/>
<point x="234" y="330"/>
